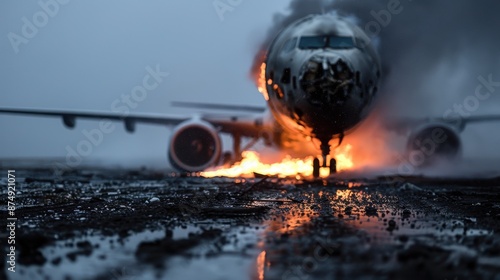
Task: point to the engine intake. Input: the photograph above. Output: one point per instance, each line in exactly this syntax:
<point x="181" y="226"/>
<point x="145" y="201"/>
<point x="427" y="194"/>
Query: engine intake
<point x="433" y="142"/>
<point x="194" y="146"/>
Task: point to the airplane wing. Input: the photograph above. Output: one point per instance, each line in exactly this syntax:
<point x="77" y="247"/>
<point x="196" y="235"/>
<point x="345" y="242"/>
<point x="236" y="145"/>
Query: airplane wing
<point x="399" y="124"/>
<point x="211" y="106"/>
<point x="243" y="125"/>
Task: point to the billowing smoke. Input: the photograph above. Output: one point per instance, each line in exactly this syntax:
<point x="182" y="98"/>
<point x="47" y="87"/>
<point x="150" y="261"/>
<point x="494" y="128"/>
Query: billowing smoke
<point x="440" y="58"/>
<point x="433" y="51"/>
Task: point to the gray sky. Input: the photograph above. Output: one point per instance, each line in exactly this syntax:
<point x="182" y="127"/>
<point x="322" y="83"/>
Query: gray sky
<point x="92" y="52"/>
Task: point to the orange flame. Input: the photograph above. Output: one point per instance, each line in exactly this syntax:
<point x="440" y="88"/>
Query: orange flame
<point x="261" y="259"/>
<point x="261" y="81"/>
<point x="288" y="167"/>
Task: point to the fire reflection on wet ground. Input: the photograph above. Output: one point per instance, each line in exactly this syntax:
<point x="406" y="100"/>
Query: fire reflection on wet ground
<point x="326" y="228"/>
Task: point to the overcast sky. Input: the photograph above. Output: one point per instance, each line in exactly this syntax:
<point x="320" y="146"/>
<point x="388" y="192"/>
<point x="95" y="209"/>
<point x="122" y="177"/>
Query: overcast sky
<point x="89" y="53"/>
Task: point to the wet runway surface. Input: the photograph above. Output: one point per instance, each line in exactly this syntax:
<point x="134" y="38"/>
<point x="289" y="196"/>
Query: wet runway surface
<point x="141" y="225"/>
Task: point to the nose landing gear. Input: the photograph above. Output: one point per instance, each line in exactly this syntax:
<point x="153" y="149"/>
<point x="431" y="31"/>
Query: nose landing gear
<point x="316" y="166"/>
<point x="325" y="151"/>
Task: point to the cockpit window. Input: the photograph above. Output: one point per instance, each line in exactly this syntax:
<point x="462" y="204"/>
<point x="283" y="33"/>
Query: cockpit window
<point x="289" y="45"/>
<point x="318" y="42"/>
<point x="341" y="42"/>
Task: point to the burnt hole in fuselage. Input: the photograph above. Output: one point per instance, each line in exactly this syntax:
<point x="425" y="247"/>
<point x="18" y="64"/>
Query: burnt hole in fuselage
<point x="328" y="85"/>
<point x="311" y="82"/>
<point x="286" y="76"/>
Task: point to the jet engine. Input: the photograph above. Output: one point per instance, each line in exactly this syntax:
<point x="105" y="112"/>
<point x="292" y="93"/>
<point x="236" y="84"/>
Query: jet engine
<point x="194" y="146"/>
<point x="432" y="142"/>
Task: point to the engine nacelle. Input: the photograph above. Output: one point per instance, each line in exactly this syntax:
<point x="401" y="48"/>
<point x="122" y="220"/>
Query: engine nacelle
<point x="433" y="142"/>
<point x="195" y="145"/>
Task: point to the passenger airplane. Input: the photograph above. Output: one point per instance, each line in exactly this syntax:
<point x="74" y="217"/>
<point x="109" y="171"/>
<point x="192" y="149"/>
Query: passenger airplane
<point x="321" y="74"/>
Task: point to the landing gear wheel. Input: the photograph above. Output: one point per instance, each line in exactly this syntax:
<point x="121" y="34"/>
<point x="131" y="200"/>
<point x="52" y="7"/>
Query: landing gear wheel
<point x="333" y="166"/>
<point x="316" y="168"/>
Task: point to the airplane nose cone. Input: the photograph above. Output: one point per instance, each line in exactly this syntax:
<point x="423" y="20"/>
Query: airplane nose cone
<point x="327" y="79"/>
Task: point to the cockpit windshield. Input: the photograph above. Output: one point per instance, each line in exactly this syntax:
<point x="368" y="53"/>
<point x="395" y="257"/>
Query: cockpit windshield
<point x="340" y="42"/>
<point x="319" y="42"/>
<point x="316" y="42"/>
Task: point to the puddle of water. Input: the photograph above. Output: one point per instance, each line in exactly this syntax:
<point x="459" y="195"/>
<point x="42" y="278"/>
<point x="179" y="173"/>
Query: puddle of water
<point x="115" y="258"/>
<point x="236" y="259"/>
<point x="110" y="256"/>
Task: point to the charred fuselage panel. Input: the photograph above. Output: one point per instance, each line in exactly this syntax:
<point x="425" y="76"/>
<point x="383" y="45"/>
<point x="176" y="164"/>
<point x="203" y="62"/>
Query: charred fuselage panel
<point x="322" y="74"/>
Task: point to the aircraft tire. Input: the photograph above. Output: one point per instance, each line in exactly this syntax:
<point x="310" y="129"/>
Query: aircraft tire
<point x="333" y="166"/>
<point x="316" y="168"/>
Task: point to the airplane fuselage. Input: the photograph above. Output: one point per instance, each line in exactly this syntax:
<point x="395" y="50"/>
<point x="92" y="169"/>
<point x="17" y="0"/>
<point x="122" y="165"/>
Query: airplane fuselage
<point x="322" y="74"/>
